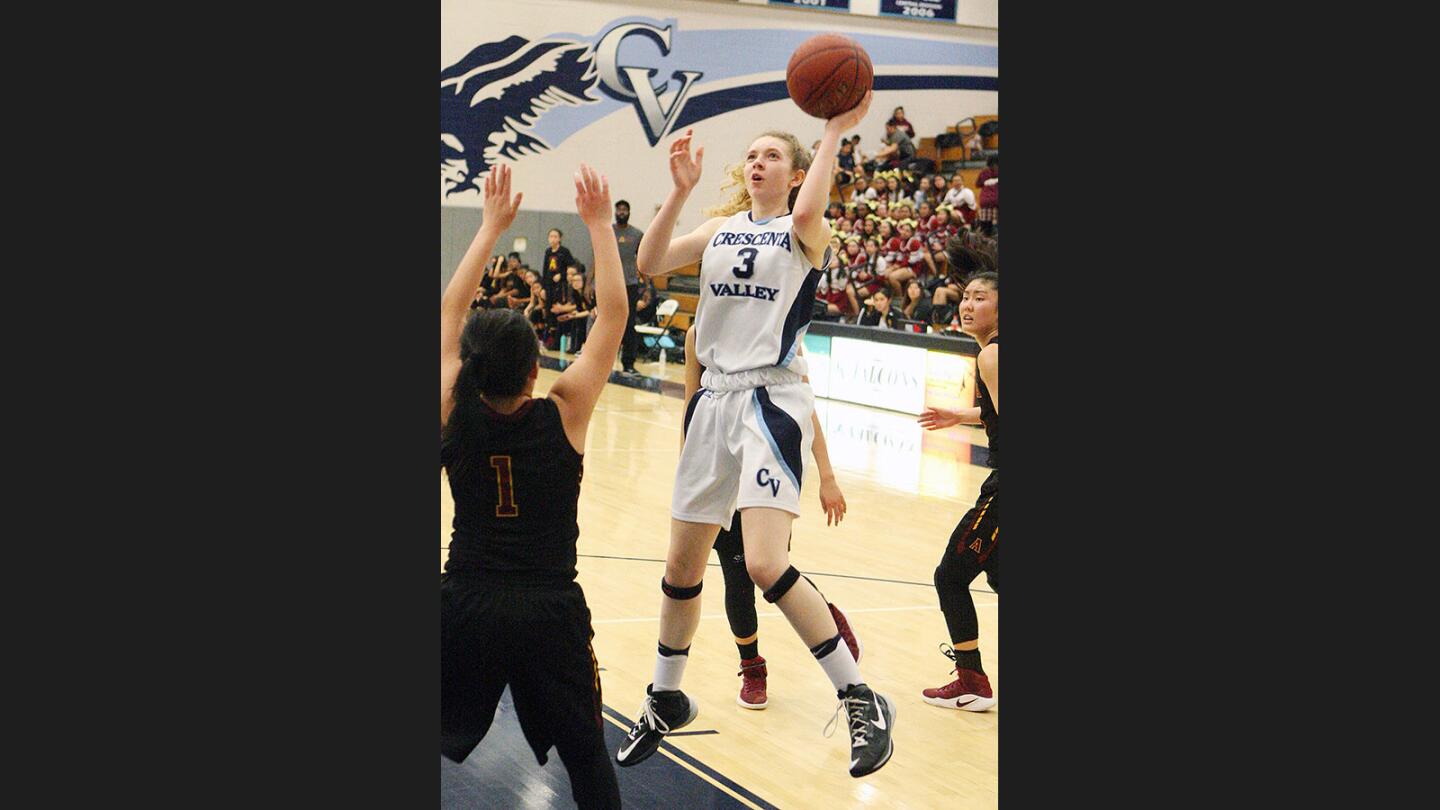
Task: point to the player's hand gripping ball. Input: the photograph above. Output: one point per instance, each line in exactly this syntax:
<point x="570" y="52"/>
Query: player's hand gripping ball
<point x="828" y="74"/>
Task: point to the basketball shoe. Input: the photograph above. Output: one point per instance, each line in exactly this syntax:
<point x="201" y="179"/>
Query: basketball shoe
<point x="970" y="691"/>
<point x="752" y="684"/>
<point x="660" y="714"/>
<point x="871" y="718"/>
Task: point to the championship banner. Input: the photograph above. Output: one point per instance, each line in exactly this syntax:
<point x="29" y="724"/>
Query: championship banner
<point x="830" y="5"/>
<point x="929" y="10"/>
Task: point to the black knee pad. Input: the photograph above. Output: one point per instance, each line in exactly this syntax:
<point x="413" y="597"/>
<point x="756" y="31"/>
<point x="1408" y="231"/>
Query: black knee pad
<point x="681" y="593"/>
<point x="782" y="585"/>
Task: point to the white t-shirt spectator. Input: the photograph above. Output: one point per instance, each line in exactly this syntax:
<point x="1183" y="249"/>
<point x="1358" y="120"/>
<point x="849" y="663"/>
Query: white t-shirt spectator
<point x="960" y="196"/>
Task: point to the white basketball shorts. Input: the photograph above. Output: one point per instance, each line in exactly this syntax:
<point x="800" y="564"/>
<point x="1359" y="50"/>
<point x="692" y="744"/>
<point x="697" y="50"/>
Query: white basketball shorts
<point x="747" y="437"/>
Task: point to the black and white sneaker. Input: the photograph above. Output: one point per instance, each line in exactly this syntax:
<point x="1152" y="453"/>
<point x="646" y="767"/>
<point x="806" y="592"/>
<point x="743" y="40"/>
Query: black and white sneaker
<point x="872" y="719"/>
<point x="660" y="714"/>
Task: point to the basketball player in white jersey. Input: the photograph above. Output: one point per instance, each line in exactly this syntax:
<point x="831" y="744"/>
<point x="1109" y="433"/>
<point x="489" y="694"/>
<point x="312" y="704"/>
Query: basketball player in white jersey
<point x="748" y="429"/>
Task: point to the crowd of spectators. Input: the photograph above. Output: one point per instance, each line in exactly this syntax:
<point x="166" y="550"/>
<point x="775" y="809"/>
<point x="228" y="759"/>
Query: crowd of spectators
<point x="904" y="238"/>
<point x="559" y="299"/>
<point x="896" y="231"/>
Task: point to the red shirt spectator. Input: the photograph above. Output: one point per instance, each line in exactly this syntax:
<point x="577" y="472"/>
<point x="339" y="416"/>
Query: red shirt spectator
<point x="894" y="252"/>
<point x="941" y="225"/>
<point x="914" y="252"/>
<point x="989" y="183"/>
<point x="855" y="258"/>
<point x="898" y="119"/>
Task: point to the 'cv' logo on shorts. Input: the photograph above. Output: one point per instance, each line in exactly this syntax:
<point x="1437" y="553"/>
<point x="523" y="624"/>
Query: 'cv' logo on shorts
<point x="763" y="479"/>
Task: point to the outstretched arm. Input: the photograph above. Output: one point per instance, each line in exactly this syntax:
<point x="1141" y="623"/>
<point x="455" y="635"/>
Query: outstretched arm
<point x="937" y="418"/>
<point x="580" y="385"/>
<point x="500" y="211"/>
<point x="659" y="254"/>
<point x="809" y="211"/>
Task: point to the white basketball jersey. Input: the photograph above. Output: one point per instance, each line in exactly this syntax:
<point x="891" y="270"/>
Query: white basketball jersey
<point x="757" y="293"/>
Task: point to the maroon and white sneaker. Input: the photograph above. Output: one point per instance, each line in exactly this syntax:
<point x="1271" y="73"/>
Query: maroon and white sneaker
<point x="846" y="633"/>
<point x="752" y="683"/>
<point x="970" y="691"/>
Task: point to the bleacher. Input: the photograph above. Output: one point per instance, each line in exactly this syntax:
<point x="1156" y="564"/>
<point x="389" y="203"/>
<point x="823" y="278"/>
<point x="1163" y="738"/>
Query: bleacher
<point x="953" y="158"/>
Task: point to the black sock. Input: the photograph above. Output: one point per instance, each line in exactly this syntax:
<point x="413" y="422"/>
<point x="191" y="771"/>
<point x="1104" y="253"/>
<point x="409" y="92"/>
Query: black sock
<point x="748" y="651"/>
<point x="969" y="659"/>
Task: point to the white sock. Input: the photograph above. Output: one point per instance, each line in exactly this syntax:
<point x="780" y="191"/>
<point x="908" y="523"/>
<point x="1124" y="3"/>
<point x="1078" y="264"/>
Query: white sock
<point x="838" y="663"/>
<point x="669" y="669"/>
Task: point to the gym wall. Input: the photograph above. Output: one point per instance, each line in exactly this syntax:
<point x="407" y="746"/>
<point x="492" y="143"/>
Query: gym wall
<point x="545" y="84"/>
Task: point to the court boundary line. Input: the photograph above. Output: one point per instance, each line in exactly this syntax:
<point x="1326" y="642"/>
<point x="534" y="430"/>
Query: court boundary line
<point x="728" y="786"/>
<point x="807" y="573"/>
<point x="848" y="611"/>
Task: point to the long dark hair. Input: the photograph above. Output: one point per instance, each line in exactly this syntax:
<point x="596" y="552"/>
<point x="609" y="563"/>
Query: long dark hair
<point x="965" y="259"/>
<point x="498" y="348"/>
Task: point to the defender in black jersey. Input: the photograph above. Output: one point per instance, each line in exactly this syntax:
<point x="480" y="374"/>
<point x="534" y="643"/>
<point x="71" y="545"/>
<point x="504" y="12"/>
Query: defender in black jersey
<point x="975" y="544"/>
<point x="511" y="613"/>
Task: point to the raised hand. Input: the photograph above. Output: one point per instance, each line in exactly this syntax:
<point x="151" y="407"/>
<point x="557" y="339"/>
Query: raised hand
<point x="685" y="169"/>
<point x="592" y="196"/>
<point x="846" y="121"/>
<point x="500" y="209"/>
<point x="936" y="418"/>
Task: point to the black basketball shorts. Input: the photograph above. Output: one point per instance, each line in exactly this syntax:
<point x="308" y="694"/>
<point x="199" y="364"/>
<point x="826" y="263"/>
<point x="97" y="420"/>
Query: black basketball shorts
<point x="536" y="641"/>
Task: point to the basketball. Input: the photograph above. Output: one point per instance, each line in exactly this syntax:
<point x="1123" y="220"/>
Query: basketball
<point x="828" y="75"/>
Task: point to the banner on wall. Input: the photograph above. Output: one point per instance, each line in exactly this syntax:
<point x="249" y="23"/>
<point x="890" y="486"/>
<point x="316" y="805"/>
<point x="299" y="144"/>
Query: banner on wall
<point x="884" y="375"/>
<point x="931" y="10"/>
<point x="880" y="374"/>
<point x="832" y="5"/>
<point x="949" y="380"/>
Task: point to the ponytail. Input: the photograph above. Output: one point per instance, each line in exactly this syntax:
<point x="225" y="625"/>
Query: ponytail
<point x="469" y="383"/>
<point x="498" y="349"/>
<point x="965" y="259"/>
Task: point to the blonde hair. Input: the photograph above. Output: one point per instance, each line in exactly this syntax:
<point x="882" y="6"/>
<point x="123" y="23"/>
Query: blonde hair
<point x="740" y="199"/>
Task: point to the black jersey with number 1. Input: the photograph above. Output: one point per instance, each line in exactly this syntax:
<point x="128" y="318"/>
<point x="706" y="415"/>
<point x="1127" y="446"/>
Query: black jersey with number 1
<point x="515" y="483"/>
<point x="988" y="414"/>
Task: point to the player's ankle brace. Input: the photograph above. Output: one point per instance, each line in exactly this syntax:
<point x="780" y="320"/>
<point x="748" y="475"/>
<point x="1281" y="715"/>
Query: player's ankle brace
<point x="782" y="585"/>
<point x="681" y="593"/>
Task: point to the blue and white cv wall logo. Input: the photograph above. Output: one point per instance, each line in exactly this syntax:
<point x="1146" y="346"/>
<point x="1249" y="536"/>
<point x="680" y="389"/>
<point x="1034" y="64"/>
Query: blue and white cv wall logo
<point x="493" y="102"/>
<point x="522" y="96"/>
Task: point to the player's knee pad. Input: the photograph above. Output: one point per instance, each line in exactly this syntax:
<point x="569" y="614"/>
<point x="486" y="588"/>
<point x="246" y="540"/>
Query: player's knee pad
<point x="681" y="593"/>
<point x="782" y="585"/>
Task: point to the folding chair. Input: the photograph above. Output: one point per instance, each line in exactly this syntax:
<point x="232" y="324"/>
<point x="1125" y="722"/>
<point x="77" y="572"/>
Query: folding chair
<point x="655" y="338"/>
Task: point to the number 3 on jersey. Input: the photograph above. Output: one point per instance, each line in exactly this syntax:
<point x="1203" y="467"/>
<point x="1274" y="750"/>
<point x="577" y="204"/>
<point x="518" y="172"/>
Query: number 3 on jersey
<point x="506" y="484"/>
<point x="748" y="256"/>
